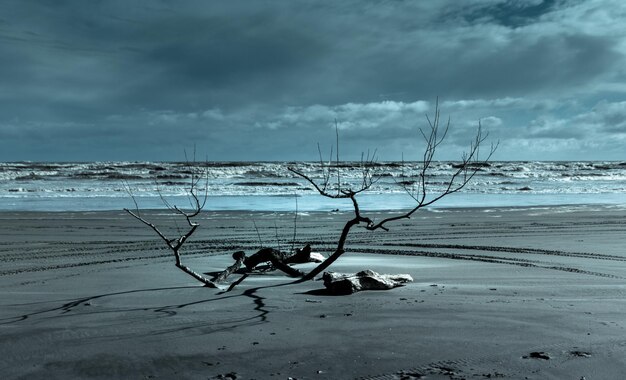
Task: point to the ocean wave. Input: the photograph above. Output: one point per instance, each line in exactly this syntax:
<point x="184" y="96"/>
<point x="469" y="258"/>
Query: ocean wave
<point x="108" y="179"/>
<point x="29" y="177"/>
<point x="254" y="183"/>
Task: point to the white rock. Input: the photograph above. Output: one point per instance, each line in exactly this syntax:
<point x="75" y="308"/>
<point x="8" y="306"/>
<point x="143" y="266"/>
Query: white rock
<point x="348" y="283"/>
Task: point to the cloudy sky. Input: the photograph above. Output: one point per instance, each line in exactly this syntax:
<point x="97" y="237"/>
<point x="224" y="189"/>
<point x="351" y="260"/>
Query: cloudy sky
<point x="266" y="80"/>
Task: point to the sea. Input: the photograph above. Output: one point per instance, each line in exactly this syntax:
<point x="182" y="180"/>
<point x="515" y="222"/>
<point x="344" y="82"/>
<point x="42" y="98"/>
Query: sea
<point x="270" y="186"/>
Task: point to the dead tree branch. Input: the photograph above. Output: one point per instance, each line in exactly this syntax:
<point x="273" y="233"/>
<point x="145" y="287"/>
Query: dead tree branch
<point x="434" y="136"/>
<point x="329" y="186"/>
<point x="197" y="203"/>
<point x="465" y="170"/>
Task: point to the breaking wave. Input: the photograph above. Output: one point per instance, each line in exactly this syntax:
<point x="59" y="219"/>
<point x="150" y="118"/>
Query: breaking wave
<point x="24" y="183"/>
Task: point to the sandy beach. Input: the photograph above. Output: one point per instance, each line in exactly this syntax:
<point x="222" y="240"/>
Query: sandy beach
<point x="535" y="293"/>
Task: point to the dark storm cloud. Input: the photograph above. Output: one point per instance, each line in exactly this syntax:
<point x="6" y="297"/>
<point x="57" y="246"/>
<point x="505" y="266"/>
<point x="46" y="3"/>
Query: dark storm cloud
<point x="157" y="57"/>
<point x="256" y="79"/>
<point x="228" y="64"/>
<point x="511" y="13"/>
<point x="480" y="66"/>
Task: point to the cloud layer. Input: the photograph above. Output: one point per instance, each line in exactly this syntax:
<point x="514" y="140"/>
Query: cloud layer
<point x="266" y="80"/>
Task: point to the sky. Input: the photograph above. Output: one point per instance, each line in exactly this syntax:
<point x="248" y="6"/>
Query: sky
<point x="145" y="80"/>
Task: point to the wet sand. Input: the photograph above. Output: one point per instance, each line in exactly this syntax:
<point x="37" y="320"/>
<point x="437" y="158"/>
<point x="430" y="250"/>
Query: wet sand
<point x="501" y="293"/>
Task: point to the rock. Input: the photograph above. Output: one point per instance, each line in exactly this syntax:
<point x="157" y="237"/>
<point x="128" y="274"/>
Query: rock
<point x="348" y="283"/>
<point x="537" y="355"/>
<point x="580" y="354"/>
<point x="227" y="376"/>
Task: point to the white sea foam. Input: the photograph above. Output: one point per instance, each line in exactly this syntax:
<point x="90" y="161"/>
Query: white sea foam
<point x="270" y="185"/>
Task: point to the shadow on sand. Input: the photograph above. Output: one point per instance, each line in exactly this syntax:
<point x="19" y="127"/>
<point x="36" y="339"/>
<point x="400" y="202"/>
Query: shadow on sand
<point x="76" y="307"/>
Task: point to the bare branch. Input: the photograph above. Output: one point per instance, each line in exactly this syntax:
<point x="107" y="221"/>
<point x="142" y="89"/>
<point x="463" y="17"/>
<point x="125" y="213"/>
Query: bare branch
<point x="337" y="162"/>
<point x="464" y="172"/>
<point x="367" y="179"/>
<point x="276" y="231"/>
<point x="295" y="225"/>
<point x="468" y="167"/>
<point x="152" y="226"/>
<point x="258" y="234"/>
<point x="320" y="190"/>
<point x="196" y="206"/>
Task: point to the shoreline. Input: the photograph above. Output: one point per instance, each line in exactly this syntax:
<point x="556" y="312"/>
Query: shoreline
<point x="603" y="205"/>
<point x="312" y="202"/>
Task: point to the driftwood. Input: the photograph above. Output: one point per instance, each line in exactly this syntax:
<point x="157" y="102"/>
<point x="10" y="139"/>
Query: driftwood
<point x="275" y="256"/>
<point x="278" y="259"/>
<point x="239" y="256"/>
<point x="348" y="283"/>
<point x="416" y="183"/>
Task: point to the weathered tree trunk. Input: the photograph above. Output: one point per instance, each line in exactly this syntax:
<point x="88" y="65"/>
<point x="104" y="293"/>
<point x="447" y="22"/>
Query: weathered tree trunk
<point x="275" y="257"/>
<point x="239" y="257"/>
<point x="278" y="259"/>
<point x="263" y="255"/>
<point x="304" y="255"/>
<point x="281" y="260"/>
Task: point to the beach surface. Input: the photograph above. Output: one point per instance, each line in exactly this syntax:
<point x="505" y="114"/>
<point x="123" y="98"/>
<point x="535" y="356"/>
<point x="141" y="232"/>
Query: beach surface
<point x="516" y="293"/>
